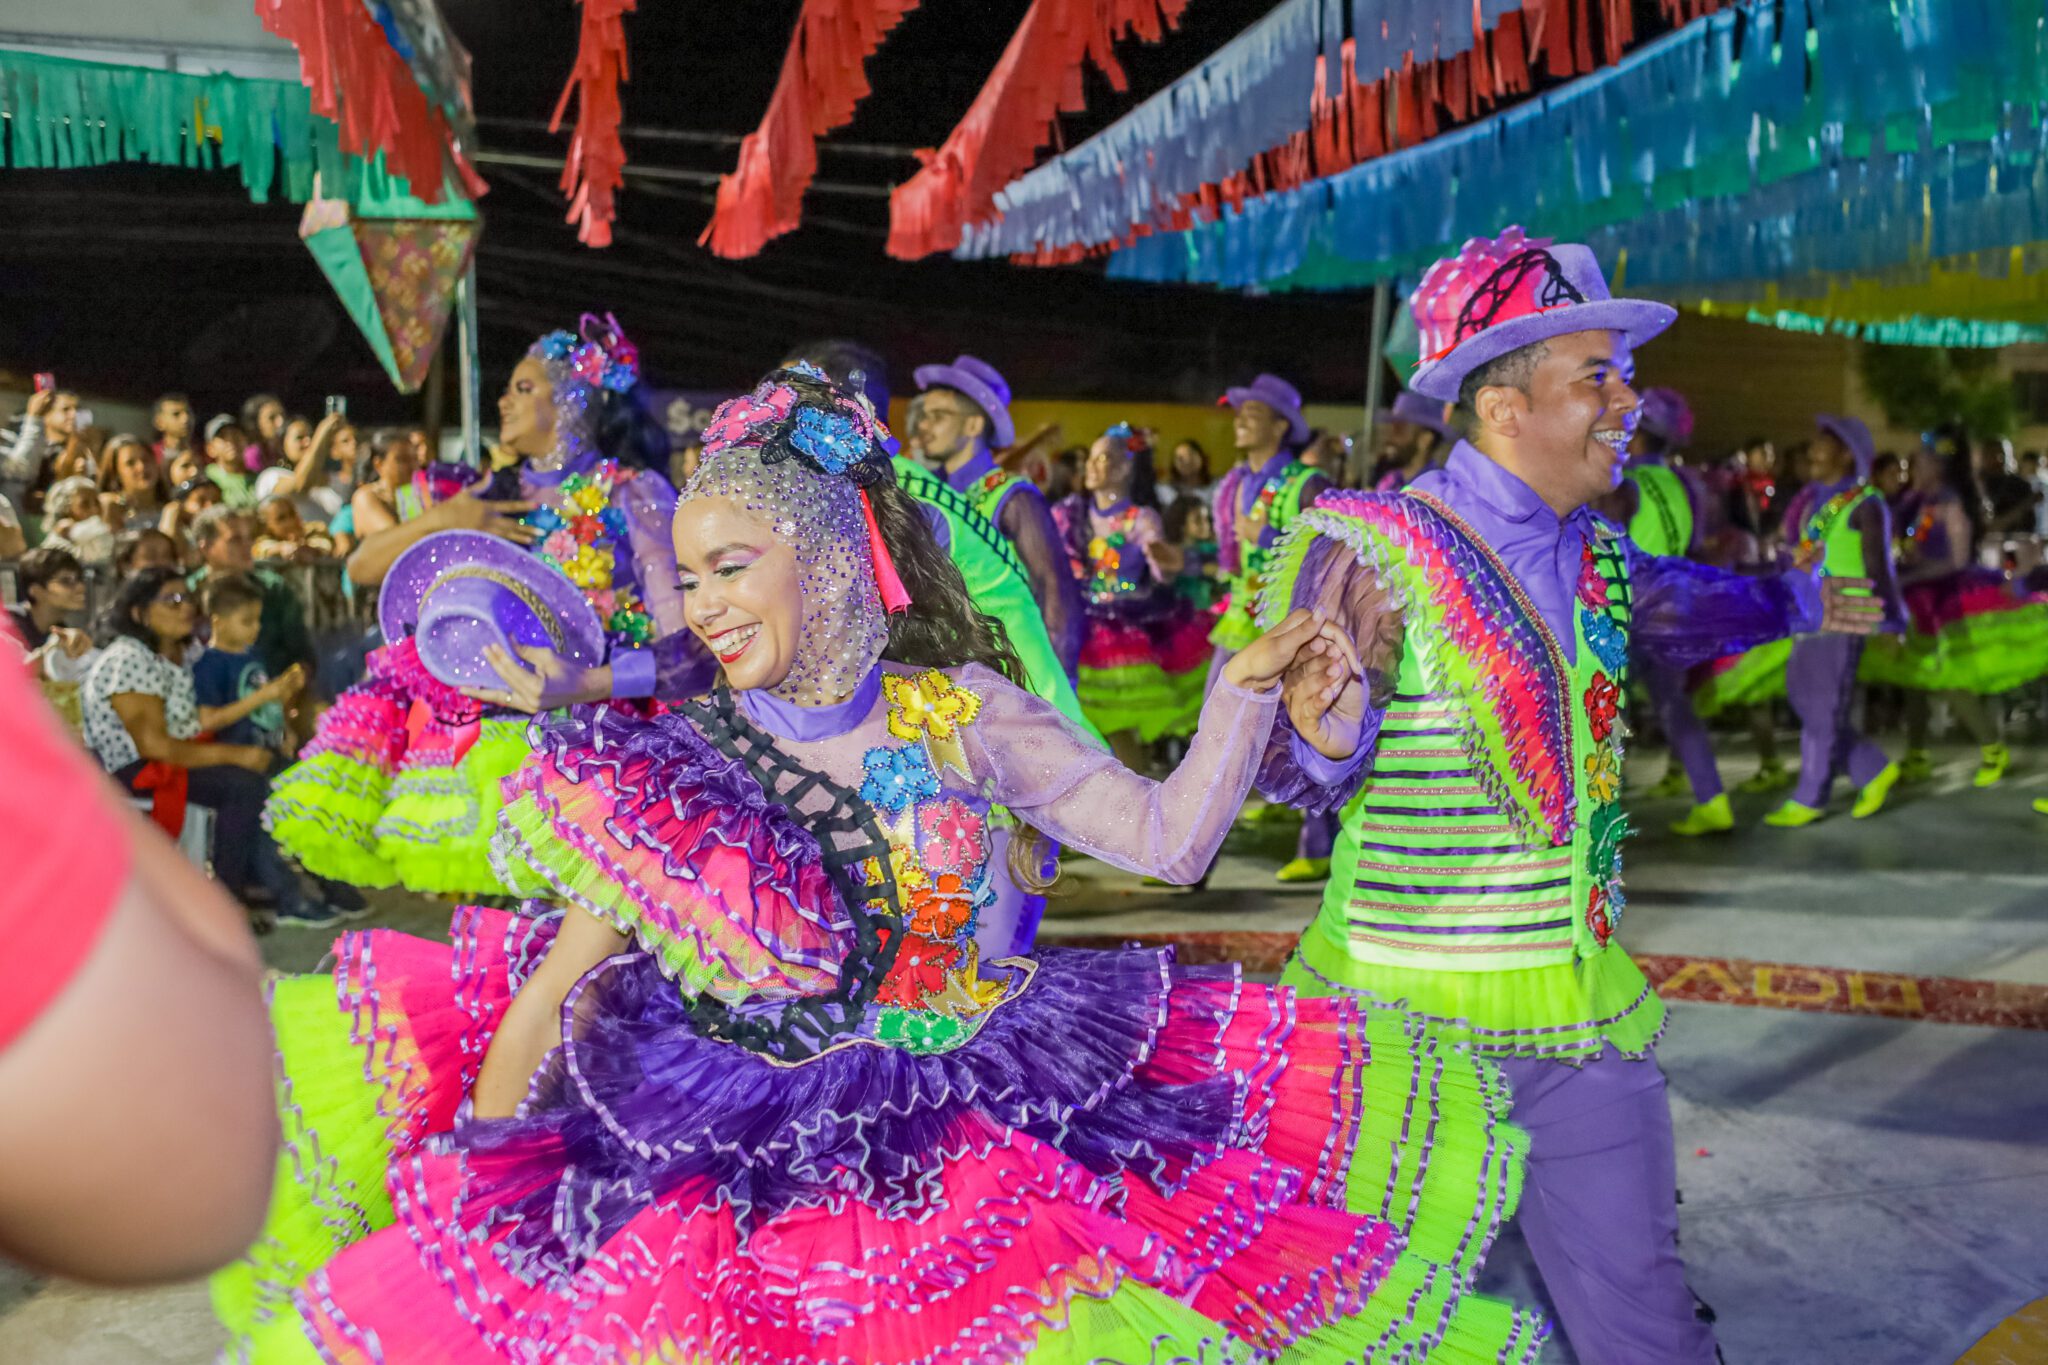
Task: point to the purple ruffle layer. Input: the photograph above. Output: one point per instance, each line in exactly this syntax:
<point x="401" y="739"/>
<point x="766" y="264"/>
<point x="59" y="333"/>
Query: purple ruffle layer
<point x="639" y="1104"/>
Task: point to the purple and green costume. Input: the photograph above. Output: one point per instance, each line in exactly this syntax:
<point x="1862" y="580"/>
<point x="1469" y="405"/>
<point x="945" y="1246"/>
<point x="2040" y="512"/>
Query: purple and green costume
<point x="1477" y="872"/>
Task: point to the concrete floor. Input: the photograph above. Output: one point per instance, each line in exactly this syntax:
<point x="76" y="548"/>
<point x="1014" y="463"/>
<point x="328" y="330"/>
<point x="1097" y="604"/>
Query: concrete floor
<point x="1856" y="1189"/>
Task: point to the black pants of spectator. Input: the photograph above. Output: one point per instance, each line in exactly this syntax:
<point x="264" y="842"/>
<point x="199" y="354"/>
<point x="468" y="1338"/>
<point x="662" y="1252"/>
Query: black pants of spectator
<point x="244" y="855"/>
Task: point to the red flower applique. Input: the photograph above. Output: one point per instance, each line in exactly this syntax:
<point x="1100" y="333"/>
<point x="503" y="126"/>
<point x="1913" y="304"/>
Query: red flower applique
<point x="1603" y="705"/>
<point x="1592" y="585"/>
<point x="586" y="529"/>
<point x="941" y="910"/>
<point x="919" y="972"/>
<point x="1596" y="916"/>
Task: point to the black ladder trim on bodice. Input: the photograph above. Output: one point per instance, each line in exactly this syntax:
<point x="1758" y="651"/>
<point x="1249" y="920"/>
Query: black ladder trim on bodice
<point x="806" y="1026"/>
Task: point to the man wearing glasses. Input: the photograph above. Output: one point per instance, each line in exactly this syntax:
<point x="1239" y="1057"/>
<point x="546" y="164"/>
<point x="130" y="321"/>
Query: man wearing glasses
<point x="963" y="418"/>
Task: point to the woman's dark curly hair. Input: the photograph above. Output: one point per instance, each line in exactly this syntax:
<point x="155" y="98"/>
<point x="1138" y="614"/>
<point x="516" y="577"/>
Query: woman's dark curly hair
<point x="943" y="628"/>
<point x="128" y="613"/>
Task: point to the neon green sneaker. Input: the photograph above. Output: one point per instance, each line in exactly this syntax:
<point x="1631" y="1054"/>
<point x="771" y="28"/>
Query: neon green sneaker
<point x="2041" y="805"/>
<point x="1916" y="766"/>
<point x="1991" y="766"/>
<point x="1792" y="815"/>
<point x="1771" y="777"/>
<point x="1672" y="784"/>
<point x="1712" y="817"/>
<point x="1871" y="799"/>
<point x="1304" y="870"/>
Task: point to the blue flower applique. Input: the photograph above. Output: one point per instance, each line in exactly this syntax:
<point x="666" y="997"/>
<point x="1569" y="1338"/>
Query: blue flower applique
<point x="895" y="779"/>
<point x="1608" y="643"/>
<point x="833" y="439"/>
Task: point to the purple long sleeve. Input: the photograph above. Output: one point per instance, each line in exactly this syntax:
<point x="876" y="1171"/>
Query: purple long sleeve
<point x="677" y="665"/>
<point x="1685" y="612"/>
<point x="1028" y="522"/>
<point x="1033" y="761"/>
<point x="1291" y="772"/>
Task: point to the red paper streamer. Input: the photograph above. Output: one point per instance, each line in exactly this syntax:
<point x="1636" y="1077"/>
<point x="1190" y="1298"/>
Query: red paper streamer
<point x="821" y="83"/>
<point x="360" y="82"/>
<point x="595" y="166"/>
<point x="1038" y="78"/>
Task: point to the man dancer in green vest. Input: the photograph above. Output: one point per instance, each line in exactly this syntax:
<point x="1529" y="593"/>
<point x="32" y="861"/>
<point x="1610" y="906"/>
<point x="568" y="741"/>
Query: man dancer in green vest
<point x="1843" y="523"/>
<point x="1256" y="500"/>
<point x="1661" y="506"/>
<point x="1474" y="747"/>
<point x="965" y="419"/>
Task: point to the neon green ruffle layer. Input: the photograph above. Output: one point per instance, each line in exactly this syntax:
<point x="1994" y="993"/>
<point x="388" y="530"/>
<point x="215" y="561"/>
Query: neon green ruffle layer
<point x="1564" y="1013"/>
<point x="1757" y="675"/>
<point x="1989" y="653"/>
<point x="436" y="833"/>
<point x="323" y="813"/>
<point x="1142" y="697"/>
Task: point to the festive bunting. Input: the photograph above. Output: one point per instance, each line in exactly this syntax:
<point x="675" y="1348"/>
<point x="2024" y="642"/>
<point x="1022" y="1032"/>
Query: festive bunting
<point x="1686" y="122"/>
<point x="1038" y="78"/>
<point x="63" y="114"/>
<point x="2004" y="287"/>
<point x="359" y="80"/>
<point x="820" y="84"/>
<point x="1914" y="330"/>
<point x="596" y="164"/>
<point x="1266" y="113"/>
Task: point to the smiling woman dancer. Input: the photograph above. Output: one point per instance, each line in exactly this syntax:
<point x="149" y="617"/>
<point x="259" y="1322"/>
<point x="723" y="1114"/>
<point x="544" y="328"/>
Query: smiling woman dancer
<point x="400" y="783"/>
<point x="764" y="1091"/>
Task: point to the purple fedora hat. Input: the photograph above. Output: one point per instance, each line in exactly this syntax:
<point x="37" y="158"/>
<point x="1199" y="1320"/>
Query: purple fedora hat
<point x="1417" y="411"/>
<point x="1665" y="414"/>
<point x="1498" y="296"/>
<point x="1853" y="433"/>
<point x="983" y="383"/>
<point x="457" y="591"/>
<point x="1277" y="394"/>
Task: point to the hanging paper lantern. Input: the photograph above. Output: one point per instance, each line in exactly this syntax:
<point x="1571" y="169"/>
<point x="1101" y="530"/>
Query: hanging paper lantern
<point x="395" y="261"/>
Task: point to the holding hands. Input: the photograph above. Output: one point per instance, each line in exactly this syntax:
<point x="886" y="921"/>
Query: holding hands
<point x="1321" y="675"/>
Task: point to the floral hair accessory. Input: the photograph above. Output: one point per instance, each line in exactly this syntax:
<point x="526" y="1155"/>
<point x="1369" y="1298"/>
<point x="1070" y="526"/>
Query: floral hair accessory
<point x="1137" y="441"/>
<point x="830" y="429"/>
<point x="597" y="353"/>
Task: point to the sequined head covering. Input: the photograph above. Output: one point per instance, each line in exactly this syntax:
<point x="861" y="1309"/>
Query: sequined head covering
<point x="581" y="366"/>
<point x="801" y="452"/>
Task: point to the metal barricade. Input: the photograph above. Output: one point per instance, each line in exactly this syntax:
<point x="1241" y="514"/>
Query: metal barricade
<point x="321" y="585"/>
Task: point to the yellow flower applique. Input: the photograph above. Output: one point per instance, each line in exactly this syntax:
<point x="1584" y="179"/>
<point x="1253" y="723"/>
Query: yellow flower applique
<point x="931" y="707"/>
<point x="1603" y="775"/>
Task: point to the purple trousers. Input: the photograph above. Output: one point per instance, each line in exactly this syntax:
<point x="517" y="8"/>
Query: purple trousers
<point x="1688" y="738"/>
<point x="1821" y="684"/>
<point x="1600" y="1209"/>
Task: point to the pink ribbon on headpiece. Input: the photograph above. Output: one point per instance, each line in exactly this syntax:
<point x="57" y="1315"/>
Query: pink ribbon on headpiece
<point x="895" y="597"/>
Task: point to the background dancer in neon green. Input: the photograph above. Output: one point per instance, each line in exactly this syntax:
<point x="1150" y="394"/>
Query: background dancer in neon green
<point x="1845" y="527"/>
<point x="1476" y="753"/>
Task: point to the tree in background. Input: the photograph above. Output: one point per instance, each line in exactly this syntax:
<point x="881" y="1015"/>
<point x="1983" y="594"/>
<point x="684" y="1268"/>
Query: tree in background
<point x="1921" y="388"/>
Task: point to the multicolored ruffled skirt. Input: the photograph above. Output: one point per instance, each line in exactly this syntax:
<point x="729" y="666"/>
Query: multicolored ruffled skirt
<point x="1145" y="673"/>
<point x="385" y="793"/>
<point x="1132" y="1160"/>
<point x="1972" y="632"/>
<point x="1750" y="678"/>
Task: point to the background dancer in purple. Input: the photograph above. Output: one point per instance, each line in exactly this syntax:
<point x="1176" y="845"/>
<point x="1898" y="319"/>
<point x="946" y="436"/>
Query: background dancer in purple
<point x="1663" y="505"/>
<point x="1256" y="500"/>
<point x="963" y="420"/>
<point x="1845" y="528"/>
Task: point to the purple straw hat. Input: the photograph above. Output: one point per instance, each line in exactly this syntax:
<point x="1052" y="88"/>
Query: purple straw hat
<point x="1851" y="432"/>
<point x="1417" y="411"/>
<point x="1277" y="394"/>
<point x="1498" y="296"/>
<point x="981" y="382"/>
<point x="458" y="591"/>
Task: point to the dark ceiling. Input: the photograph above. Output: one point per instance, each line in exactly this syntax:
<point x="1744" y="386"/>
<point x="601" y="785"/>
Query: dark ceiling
<point x="132" y="280"/>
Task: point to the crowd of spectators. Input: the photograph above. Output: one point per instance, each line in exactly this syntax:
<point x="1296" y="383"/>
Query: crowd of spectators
<point x="195" y="683"/>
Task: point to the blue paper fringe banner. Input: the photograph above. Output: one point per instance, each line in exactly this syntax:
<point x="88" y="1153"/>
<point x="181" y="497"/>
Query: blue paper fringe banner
<point x="1684" y="134"/>
<point x="1251" y="95"/>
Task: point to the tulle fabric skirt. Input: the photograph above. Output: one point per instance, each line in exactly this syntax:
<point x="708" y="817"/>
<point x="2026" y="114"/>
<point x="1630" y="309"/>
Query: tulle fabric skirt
<point x="1132" y="1160"/>
<point x="1145" y="675"/>
<point x="385" y="794"/>
<point x="1972" y="632"/>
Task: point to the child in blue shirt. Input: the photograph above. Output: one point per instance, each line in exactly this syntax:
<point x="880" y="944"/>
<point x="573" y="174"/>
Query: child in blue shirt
<point x="237" y="699"/>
